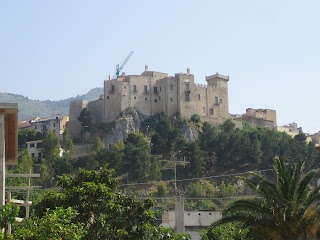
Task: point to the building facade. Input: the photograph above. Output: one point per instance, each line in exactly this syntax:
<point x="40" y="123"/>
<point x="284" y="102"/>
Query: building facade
<point x="155" y="92"/>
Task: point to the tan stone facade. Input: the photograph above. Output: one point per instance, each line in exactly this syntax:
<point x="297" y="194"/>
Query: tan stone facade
<point x="155" y="92"/>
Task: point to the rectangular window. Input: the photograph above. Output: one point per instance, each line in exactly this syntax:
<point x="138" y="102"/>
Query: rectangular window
<point x="187" y="97"/>
<point x="135" y="97"/>
<point x="54" y="124"/>
<point x="155" y="90"/>
<point x="113" y="88"/>
<point x="187" y="87"/>
<point x="211" y="111"/>
<point x="32" y="155"/>
<point x="155" y="100"/>
<point x="146" y="99"/>
<point x="35" y="127"/>
<point x="199" y="97"/>
<point x="216" y="100"/>
<point x="135" y="88"/>
<point x="32" y="145"/>
<point x="171" y="87"/>
<point x="39" y="145"/>
<point x="39" y="155"/>
<point x="203" y="110"/>
<point x="107" y="97"/>
<point x="171" y="100"/>
<point x="220" y="100"/>
<point x="145" y="89"/>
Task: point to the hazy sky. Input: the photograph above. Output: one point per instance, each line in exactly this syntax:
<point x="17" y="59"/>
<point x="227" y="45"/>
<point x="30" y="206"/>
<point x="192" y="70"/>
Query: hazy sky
<point x="271" y="49"/>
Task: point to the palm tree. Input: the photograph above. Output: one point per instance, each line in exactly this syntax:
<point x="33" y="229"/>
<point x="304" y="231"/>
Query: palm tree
<point x="284" y="209"/>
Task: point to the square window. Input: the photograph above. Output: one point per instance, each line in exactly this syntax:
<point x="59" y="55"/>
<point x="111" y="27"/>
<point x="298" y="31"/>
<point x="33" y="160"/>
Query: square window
<point x="32" y="145"/>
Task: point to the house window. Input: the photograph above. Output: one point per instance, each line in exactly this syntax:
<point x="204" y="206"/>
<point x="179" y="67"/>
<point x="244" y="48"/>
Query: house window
<point x="145" y="89"/>
<point x="211" y="111"/>
<point x="32" y="145"/>
<point x="216" y="100"/>
<point x="171" y="100"/>
<point x="199" y="97"/>
<point x="203" y="110"/>
<point x="39" y="145"/>
<point x="220" y="100"/>
<point x="39" y="155"/>
<point x="171" y="87"/>
<point x="135" y="88"/>
<point x="155" y="100"/>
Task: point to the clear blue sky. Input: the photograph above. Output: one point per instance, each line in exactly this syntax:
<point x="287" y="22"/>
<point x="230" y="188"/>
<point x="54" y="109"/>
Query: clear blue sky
<point x="271" y="49"/>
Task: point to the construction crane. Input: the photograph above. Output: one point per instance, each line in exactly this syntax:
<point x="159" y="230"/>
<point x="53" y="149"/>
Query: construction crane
<point x="119" y="68"/>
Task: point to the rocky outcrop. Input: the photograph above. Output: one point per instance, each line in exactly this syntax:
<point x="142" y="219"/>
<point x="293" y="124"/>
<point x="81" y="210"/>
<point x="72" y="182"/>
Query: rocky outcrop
<point x="129" y="121"/>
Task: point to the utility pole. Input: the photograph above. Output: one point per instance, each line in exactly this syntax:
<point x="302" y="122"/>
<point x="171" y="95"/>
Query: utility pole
<point x="179" y="208"/>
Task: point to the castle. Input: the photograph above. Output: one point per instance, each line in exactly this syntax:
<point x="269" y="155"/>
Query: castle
<point x="155" y="92"/>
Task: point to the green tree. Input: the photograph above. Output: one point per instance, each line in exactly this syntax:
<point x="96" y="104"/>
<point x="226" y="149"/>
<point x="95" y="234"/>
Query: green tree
<point x="67" y="145"/>
<point x="284" y="209"/>
<point x="85" y="120"/>
<point x="105" y="212"/>
<point x="54" y="224"/>
<point x="8" y="215"/>
<point x="137" y="157"/>
<point x="228" y="231"/>
<point x="51" y="150"/>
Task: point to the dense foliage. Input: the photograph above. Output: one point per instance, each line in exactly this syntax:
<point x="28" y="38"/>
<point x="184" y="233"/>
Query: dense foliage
<point x="284" y="209"/>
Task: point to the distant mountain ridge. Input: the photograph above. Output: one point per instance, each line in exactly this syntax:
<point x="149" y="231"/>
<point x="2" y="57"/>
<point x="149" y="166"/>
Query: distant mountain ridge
<point x="35" y="108"/>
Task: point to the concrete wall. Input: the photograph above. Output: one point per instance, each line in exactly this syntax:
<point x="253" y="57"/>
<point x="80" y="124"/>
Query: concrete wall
<point x="192" y="218"/>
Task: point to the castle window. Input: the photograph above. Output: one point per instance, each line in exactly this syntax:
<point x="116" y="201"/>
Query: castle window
<point x="203" y="110"/>
<point x="155" y="90"/>
<point x="135" y="97"/>
<point x="199" y="97"/>
<point x="211" y="111"/>
<point x="107" y="97"/>
<point x="187" y="87"/>
<point x="216" y="100"/>
<point x="171" y="100"/>
<point x="155" y="100"/>
<point x="145" y="89"/>
<point x="160" y="89"/>
<point x="113" y="88"/>
<point x="159" y="97"/>
<point x="187" y="97"/>
<point x="123" y="95"/>
<point x="135" y="88"/>
<point x="146" y="99"/>
<point x="171" y="87"/>
<point x="220" y="100"/>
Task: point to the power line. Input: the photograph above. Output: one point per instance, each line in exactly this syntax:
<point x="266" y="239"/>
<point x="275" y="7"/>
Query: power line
<point x="192" y="179"/>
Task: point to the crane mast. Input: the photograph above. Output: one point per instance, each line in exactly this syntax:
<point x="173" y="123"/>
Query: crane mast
<point x="119" y="68"/>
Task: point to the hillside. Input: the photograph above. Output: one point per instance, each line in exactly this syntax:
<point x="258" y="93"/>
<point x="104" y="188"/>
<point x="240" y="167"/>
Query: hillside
<point x="32" y="108"/>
